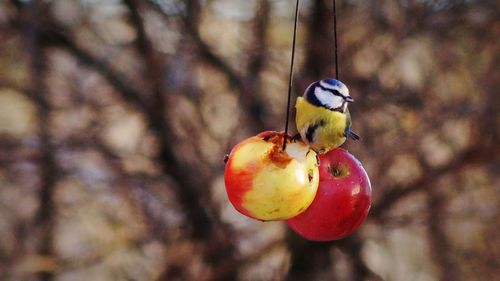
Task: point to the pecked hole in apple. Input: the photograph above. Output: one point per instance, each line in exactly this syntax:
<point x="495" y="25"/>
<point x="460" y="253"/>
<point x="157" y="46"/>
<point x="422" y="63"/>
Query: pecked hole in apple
<point x="339" y="171"/>
<point x="310" y="175"/>
<point x="297" y="151"/>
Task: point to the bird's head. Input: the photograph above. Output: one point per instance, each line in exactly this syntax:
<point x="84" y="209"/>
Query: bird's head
<point x="330" y="94"/>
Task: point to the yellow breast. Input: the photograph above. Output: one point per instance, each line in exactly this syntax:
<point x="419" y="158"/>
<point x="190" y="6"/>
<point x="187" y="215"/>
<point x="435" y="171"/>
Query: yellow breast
<point x="326" y="137"/>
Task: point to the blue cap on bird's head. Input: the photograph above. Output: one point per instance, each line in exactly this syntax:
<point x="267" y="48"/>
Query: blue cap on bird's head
<point x="333" y="82"/>
<point x="328" y="93"/>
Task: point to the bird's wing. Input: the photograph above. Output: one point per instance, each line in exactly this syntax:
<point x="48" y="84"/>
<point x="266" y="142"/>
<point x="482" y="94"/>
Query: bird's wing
<point x="347" y="119"/>
<point x="348" y="133"/>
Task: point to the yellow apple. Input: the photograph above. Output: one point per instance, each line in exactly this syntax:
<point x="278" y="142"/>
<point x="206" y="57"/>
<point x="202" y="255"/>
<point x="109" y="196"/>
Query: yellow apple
<point x="266" y="183"/>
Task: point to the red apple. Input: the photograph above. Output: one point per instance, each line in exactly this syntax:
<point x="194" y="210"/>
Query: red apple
<point x="342" y="200"/>
<point x="266" y="183"/>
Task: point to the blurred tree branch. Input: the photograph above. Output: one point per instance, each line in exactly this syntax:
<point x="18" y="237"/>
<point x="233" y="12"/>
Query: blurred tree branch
<point x="483" y="149"/>
<point x="202" y="216"/>
<point x="251" y="98"/>
<point x="308" y="259"/>
<point x="439" y="244"/>
<point x="191" y="20"/>
<point x="215" y="249"/>
<point x="352" y="246"/>
<point x="246" y="84"/>
<point x="44" y="220"/>
<point x="200" y="219"/>
<point x="319" y="50"/>
<point x="195" y="204"/>
<point x="471" y="156"/>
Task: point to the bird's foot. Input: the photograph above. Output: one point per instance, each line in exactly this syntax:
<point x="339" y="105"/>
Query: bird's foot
<point x="296" y="137"/>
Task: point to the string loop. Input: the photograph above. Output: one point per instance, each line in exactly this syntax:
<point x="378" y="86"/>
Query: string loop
<point x="290" y="79"/>
<point x="335" y="40"/>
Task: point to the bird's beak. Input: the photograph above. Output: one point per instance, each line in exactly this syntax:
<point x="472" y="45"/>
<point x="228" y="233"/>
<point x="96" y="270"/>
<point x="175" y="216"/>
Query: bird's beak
<point x="349" y="99"/>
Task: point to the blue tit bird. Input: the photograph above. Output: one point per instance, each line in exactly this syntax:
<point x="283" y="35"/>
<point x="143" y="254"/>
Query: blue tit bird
<point x="322" y="117"/>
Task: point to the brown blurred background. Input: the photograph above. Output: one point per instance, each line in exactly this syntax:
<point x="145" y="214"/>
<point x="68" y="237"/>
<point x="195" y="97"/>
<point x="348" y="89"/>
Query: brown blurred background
<point x="115" y="117"/>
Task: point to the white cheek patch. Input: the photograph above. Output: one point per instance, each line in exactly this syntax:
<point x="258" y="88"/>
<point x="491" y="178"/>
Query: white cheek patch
<point x="342" y="89"/>
<point x="328" y="99"/>
<point x="328" y="86"/>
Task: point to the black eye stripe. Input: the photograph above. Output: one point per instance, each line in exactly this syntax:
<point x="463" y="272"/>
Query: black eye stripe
<point x="335" y="92"/>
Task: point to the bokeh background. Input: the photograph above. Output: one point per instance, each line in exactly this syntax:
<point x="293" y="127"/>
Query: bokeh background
<point x="115" y="117"/>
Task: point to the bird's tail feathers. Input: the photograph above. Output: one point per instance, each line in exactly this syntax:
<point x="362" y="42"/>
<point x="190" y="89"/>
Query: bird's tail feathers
<point x="352" y="135"/>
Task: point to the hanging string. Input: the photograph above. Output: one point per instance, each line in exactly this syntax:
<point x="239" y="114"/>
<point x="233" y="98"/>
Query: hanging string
<point x="335" y="40"/>
<point x="291" y="72"/>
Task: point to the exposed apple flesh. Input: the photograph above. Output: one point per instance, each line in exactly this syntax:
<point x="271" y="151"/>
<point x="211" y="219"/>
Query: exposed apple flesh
<point x="342" y="201"/>
<point x="266" y="183"/>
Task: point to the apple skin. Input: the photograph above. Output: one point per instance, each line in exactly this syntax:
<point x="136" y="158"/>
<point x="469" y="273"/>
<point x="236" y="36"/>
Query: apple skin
<point x="266" y="183"/>
<point x="342" y="201"/>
